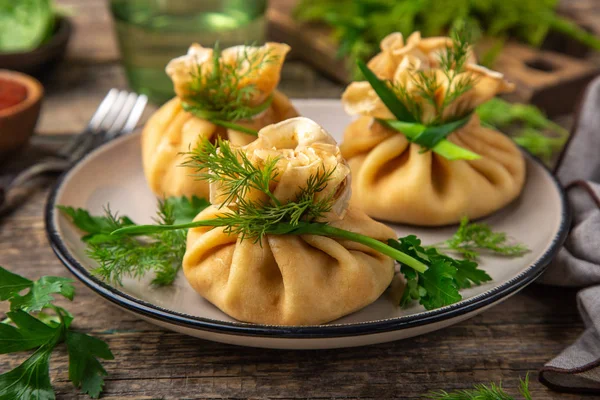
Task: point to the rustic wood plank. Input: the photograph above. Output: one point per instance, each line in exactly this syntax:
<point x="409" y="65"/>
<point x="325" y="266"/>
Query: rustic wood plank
<point x="503" y="343"/>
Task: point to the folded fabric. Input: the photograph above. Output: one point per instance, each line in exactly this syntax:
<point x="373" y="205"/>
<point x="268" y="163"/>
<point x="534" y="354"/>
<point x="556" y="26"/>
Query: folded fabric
<point x="577" y="368"/>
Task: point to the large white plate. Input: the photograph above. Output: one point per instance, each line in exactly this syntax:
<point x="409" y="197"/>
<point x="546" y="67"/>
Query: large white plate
<point x="113" y="175"/>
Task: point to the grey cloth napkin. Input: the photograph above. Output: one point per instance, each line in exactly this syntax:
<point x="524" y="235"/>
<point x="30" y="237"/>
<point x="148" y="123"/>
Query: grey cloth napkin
<point x="577" y="368"/>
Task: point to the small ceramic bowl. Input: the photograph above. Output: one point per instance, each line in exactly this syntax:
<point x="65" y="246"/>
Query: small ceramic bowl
<point x="17" y="122"/>
<point x="40" y="61"/>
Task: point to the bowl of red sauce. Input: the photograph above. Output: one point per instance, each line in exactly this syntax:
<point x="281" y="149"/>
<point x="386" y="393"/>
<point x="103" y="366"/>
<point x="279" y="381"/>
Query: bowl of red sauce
<point x="20" y="102"/>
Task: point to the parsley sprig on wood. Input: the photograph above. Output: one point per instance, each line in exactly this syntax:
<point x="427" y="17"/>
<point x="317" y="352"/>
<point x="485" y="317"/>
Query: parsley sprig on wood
<point x="34" y="322"/>
<point x="218" y="91"/>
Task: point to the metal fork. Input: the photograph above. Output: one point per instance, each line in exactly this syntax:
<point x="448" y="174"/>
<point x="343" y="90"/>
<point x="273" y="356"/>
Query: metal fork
<point x="117" y="115"/>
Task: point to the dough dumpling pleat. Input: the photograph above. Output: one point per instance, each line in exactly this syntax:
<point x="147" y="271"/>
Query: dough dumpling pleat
<point x="287" y="279"/>
<point x="393" y="179"/>
<point x="171" y="130"/>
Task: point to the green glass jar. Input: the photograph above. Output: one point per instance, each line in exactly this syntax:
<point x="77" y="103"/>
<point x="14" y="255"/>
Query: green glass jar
<point x="152" y="32"/>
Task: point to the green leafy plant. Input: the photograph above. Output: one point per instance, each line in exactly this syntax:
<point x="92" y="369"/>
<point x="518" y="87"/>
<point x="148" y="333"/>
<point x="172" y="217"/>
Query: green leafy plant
<point x="529" y="127"/>
<point x="120" y="256"/>
<point x="439" y="285"/>
<point x="471" y="239"/>
<point x="217" y="92"/>
<point x="35" y="323"/>
<point x="25" y="24"/>
<point x="406" y="110"/>
<point x="358" y="26"/>
<point x="482" y="392"/>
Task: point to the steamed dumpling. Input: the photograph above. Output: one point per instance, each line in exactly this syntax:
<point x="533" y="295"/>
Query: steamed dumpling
<point x="287" y="279"/>
<point x="172" y="131"/>
<point x="393" y="179"/>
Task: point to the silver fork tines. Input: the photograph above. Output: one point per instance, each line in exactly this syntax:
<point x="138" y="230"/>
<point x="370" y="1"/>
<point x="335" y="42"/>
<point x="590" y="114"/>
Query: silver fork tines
<point x="121" y="112"/>
<point x="117" y="114"/>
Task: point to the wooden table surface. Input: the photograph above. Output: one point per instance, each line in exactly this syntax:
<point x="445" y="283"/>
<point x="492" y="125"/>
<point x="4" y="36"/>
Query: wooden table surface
<point x="502" y="344"/>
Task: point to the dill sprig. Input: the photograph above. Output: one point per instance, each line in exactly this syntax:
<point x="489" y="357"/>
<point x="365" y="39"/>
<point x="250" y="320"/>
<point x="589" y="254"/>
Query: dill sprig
<point x="429" y="87"/>
<point x="473" y="238"/>
<point x="236" y="176"/>
<point x="428" y="137"/>
<point x="483" y="392"/>
<point x="232" y="170"/>
<point x="160" y="253"/>
<point x="220" y="92"/>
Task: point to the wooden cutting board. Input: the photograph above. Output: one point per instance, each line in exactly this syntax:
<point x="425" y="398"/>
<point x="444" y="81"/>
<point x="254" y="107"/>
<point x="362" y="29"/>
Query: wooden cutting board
<point x="547" y="78"/>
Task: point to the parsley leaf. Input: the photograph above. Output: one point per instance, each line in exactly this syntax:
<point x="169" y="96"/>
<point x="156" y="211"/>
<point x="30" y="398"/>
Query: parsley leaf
<point x="12" y="284"/>
<point x="95" y="225"/>
<point x="28" y="327"/>
<point x="468" y="274"/>
<point x="40" y="293"/>
<point x="29" y="333"/>
<point x="186" y="209"/>
<point x="30" y="380"/>
<point x="85" y="370"/>
<point x="439" y="285"/>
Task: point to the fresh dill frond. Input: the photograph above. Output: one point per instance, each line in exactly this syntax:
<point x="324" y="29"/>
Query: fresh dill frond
<point x="160" y="253"/>
<point x="482" y="392"/>
<point x="231" y="169"/>
<point x="471" y="239"/>
<point x="118" y="257"/>
<point x="236" y="176"/>
<point x="456" y="57"/>
<point x="433" y="90"/>
<point x="220" y="91"/>
<point x="414" y="107"/>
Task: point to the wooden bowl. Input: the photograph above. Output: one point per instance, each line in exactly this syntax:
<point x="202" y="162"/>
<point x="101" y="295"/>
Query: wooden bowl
<point x="40" y="61"/>
<point x="18" y="122"/>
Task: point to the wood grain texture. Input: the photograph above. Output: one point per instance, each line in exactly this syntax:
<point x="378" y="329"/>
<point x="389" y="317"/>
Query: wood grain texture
<point x="502" y="344"/>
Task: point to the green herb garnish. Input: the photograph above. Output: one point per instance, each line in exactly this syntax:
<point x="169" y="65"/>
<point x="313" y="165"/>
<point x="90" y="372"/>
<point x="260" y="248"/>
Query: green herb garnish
<point x="409" y="112"/>
<point x="482" y="392"/>
<point x="120" y="256"/>
<point x="529" y="126"/>
<point x="440" y="284"/>
<point x="360" y="25"/>
<point x="219" y="94"/>
<point x="25" y="24"/>
<point x="473" y="238"/>
<point x="29" y="326"/>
